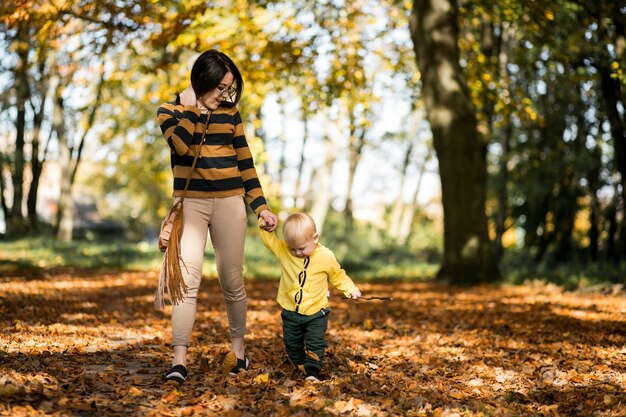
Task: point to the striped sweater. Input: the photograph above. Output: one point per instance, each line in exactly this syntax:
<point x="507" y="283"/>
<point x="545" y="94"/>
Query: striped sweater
<point x="225" y="166"/>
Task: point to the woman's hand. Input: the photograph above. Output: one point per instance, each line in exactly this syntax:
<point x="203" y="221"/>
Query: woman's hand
<point x="188" y="97"/>
<point x="270" y="221"/>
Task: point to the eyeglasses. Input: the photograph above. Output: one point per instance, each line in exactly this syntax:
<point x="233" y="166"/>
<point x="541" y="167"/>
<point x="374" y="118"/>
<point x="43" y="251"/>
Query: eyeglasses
<point x="227" y="92"/>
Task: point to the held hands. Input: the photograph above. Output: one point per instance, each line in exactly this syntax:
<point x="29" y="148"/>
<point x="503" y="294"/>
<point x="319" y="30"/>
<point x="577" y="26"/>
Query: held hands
<point x="269" y="221"/>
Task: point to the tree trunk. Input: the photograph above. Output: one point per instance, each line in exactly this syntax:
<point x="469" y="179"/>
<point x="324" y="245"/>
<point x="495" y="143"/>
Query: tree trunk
<point x="503" y="51"/>
<point x="612" y="97"/>
<point x="321" y="184"/>
<point x="468" y="256"/>
<point x="611" y="244"/>
<point x="355" y="149"/>
<point x="15" y="225"/>
<point x="65" y="214"/>
<point x="256" y="121"/>
<point x="282" y="163"/>
<point x="611" y="94"/>
<point x="298" y="200"/>
<point x="36" y="162"/>
<point x="91" y="118"/>
<point x="594" y="215"/>
<point x="398" y="208"/>
<point x="503" y="197"/>
<point x="409" y="211"/>
<point x="3" y="201"/>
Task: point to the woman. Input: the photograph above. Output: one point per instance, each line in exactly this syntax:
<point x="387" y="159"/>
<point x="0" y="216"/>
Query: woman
<point x="223" y="174"/>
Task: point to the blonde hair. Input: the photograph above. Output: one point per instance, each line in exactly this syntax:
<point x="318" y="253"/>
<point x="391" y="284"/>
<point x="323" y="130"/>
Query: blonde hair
<point x="298" y="226"/>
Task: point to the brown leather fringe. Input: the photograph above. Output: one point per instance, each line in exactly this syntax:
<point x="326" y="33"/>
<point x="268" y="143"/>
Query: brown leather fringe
<point x="171" y="281"/>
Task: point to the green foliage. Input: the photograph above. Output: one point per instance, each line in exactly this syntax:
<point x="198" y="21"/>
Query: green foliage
<point x="366" y="251"/>
<point x="521" y="267"/>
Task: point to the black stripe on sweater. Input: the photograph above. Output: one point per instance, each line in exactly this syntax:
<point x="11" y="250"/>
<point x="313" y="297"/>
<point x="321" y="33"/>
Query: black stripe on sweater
<point x="223" y="139"/>
<point x="257" y="202"/>
<point x="246" y="164"/>
<point x="251" y="184"/>
<point x="226" y="184"/>
<point x="206" y="162"/>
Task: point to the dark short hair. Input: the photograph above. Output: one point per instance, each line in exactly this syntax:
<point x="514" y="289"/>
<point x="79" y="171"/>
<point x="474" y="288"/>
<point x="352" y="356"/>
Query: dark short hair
<point x="209" y="70"/>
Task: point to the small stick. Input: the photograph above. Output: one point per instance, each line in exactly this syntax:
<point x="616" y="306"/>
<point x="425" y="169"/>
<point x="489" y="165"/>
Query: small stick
<point x="371" y="297"/>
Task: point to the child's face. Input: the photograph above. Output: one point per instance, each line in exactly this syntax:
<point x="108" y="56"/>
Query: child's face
<point x="304" y="247"/>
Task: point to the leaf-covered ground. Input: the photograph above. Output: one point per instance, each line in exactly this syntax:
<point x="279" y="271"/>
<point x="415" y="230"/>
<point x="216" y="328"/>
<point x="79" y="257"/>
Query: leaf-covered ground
<point x="83" y="344"/>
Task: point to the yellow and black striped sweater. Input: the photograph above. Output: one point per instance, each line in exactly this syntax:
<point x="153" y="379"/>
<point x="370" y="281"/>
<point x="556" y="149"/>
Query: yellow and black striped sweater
<point x="225" y="166"/>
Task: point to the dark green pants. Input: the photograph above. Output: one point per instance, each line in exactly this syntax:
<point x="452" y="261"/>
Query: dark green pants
<point x="305" y="337"/>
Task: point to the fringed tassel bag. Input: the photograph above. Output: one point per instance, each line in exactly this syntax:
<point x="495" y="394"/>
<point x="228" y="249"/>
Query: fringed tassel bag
<point x="171" y="282"/>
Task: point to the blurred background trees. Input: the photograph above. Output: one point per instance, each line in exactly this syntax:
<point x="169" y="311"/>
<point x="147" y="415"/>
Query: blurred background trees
<point x="351" y="115"/>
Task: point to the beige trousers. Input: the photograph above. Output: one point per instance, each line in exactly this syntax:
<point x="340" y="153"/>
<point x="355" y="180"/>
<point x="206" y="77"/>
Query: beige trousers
<point x="225" y="220"/>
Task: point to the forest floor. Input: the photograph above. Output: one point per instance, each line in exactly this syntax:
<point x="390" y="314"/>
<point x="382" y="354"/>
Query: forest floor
<point x="82" y="343"/>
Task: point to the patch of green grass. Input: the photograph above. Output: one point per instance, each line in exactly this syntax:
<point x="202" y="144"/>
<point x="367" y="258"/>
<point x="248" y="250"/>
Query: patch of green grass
<point x="38" y="254"/>
<point x="519" y="268"/>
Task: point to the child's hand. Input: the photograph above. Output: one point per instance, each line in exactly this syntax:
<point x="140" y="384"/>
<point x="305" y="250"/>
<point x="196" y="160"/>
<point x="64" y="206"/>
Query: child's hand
<point x="269" y="221"/>
<point x="356" y="294"/>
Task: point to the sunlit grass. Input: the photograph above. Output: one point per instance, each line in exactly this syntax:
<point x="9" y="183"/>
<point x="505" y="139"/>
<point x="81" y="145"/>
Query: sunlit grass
<point x="46" y="253"/>
<point x="36" y="255"/>
<point x="40" y="254"/>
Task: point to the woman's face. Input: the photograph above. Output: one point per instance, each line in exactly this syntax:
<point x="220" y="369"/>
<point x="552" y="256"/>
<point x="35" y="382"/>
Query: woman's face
<point x="213" y="98"/>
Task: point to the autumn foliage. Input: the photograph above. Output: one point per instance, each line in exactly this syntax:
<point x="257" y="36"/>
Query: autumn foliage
<point x="83" y="343"/>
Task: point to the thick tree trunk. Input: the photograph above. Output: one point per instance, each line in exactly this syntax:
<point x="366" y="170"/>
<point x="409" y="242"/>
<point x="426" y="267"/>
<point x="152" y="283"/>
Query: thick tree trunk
<point x="611" y="93"/>
<point x="468" y="256"/>
<point x="612" y="96"/>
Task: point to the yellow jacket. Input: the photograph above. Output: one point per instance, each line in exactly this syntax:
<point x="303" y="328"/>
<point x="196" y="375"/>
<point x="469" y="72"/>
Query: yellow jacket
<point x="303" y="284"/>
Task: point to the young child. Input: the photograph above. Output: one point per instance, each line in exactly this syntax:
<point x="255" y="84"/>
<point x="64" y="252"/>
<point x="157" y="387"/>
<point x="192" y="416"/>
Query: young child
<point x="306" y="266"/>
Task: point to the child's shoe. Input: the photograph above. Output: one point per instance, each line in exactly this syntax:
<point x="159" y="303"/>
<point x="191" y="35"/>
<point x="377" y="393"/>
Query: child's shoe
<point x="313" y="375"/>
<point x="177" y="373"/>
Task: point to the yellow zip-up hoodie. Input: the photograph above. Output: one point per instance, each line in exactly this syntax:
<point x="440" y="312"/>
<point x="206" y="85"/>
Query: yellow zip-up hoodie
<point x="303" y="284"/>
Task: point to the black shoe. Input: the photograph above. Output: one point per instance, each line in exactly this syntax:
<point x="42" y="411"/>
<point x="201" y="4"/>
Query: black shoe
<point x="178" y="373"/>
<point x="313" y="374"/>
<point x="242" y="365"/>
